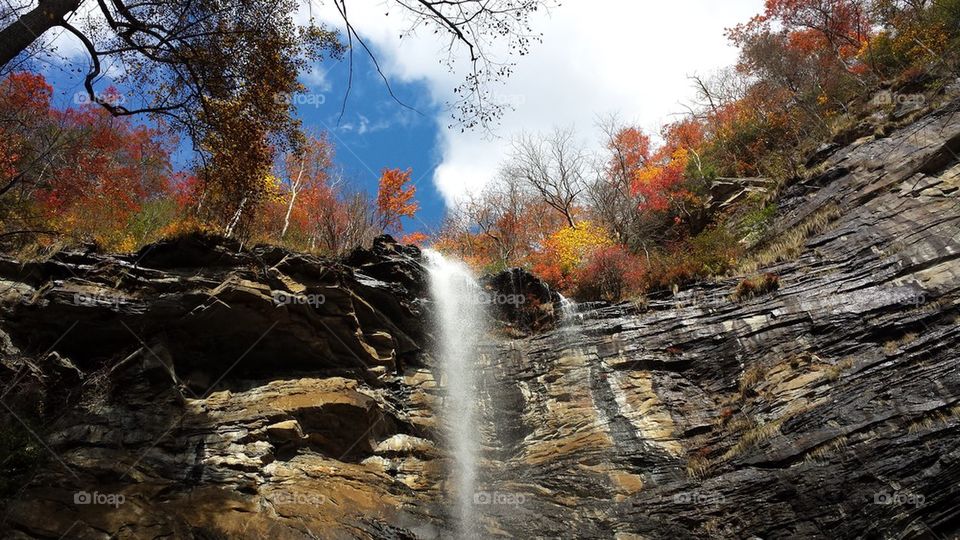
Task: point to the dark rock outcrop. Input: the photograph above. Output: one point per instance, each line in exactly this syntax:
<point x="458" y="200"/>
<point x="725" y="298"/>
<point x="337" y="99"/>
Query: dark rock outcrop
<point x="521" y="300"/>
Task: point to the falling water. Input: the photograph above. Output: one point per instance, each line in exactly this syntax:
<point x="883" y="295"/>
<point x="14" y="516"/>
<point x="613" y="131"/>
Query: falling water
<point x="459" y="322"/>
<point x="569" y="314"/>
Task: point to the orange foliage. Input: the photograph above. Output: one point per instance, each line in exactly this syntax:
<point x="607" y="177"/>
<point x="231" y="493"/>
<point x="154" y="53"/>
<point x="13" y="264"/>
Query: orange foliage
<point x="395" y="198"/>
<point x="415" y="239"/>
<point x="660" y="182"/>
<point x="630" y="149"/>
<point x="24" y="108"/>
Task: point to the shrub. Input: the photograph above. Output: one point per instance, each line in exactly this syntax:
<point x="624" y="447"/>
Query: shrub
<point x="712" y="252"/>
<point x="611" y="273"/>
<point x="565" y="252"/>
<point x="756" y="286"/>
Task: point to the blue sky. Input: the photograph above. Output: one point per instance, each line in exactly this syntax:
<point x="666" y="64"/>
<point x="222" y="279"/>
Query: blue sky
<point x="376" y="132"/>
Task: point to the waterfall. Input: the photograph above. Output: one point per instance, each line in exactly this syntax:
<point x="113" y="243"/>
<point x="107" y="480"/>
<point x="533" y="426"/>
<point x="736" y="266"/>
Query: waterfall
<point x="459" y="324"/>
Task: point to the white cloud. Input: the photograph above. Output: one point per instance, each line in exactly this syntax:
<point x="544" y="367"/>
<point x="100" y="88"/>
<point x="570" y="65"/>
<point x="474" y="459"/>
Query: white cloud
<point x="363" y="125"/>
<point x="316" y="79"/>
<point x="627" y="57"/>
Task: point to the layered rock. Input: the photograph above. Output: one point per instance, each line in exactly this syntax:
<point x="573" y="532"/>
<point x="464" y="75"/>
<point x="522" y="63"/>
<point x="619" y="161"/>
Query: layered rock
<point x="200" y="390"/>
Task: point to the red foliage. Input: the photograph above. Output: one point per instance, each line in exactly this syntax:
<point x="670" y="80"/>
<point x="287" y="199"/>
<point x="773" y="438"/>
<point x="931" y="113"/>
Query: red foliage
<point x="24" y="108"/>
<point x="611" y="273"/>
<point x="116" y="163"/>
<point x="630" y="149"/>
<point x="660" y="182"/>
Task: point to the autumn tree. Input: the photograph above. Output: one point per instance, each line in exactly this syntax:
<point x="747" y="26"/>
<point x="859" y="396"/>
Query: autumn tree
<point x="660" y="182"/>
<point x="29" y="133"/>
<point x="222" y="72"/>
<point x="395" y="199"/>
<point x="165" y="36"/>
<point x="78" y="171"/>
<point x="613" y="202"/>
<point x="914" y="34"/>
<point x="808" y="48"/>
<point x="307" y="169"/>
<point x="336" y="220"/>
<point x="566" y="250"/>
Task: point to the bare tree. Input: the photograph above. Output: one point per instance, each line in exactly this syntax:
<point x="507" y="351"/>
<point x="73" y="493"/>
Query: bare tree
<point x="553" y="166"/>
<point x="349" y="224"/>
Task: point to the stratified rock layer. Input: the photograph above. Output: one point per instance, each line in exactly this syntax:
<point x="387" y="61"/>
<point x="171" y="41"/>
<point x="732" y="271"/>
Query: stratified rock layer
<point x="214" y="391"/>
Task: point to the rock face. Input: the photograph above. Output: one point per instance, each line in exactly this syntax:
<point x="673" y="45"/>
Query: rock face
<point x="522" y="302"/>
<point x="202" y="390"/>
<point x="220" y="392"/>
<point x="828" y="408"/>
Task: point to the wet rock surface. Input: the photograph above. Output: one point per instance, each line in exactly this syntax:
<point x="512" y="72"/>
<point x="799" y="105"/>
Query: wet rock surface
<point x="200" y="389"/>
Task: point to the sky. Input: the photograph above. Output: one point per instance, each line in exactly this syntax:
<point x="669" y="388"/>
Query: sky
<point x="631" y="58"/>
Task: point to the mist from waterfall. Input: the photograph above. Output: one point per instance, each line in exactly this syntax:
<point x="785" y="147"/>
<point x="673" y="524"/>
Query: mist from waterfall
<point x="459" y="324"/>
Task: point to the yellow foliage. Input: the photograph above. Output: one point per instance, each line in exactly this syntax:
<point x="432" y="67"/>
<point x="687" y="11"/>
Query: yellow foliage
<point x="273" y="188"/>
<point x="571" y="245"/>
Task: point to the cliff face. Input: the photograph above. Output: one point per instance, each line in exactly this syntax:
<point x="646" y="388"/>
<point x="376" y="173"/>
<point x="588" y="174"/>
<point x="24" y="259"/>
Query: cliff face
<point x="210" y="391"/>
<point x="200" y="390"/>
<point x="828" y="407"/>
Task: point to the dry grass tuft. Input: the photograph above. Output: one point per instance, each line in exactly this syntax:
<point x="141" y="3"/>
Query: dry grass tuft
<point x="891" y="347"/>
<point x="790" y="244"/>
<point x="833" y="372"/>
<point x="698" y="467"/>
<point x="753" y="437"/>
<point x="826" y="449"/>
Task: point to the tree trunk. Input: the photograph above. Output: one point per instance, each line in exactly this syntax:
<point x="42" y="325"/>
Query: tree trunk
<point x="294" y="189"/>
<point x="236" y="219"/>
<point x="20" y="34"/>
